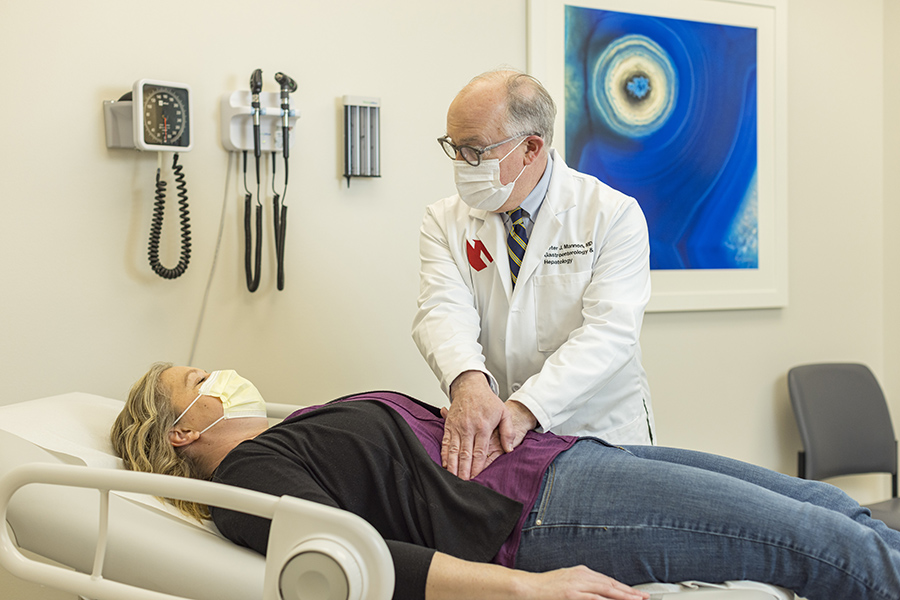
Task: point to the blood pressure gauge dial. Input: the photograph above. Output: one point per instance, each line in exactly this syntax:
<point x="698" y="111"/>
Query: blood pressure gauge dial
<point x="162" y="115"/>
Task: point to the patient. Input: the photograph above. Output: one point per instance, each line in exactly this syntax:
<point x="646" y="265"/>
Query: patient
<point x="522" y="527"/>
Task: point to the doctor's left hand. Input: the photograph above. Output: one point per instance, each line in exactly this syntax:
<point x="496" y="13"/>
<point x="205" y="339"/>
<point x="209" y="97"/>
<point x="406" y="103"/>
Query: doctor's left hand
<point x="479" y="427"/>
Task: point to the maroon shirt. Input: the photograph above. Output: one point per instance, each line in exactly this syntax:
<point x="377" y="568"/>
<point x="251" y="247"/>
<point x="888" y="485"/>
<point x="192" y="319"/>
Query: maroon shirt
<point x="517" y="475"/>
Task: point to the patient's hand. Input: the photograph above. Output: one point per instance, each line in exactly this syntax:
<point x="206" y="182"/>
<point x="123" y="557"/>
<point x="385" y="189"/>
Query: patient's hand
<point x="479" y="426"/>
<point x="578" y="582"/>
<point x="450" y="578"/>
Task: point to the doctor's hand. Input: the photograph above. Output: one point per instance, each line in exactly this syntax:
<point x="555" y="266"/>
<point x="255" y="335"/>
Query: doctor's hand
<point x="479" y="426"/>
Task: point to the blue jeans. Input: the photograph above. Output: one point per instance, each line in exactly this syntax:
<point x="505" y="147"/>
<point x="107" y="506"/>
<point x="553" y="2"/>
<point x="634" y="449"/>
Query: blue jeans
<point x="651" y="514"/>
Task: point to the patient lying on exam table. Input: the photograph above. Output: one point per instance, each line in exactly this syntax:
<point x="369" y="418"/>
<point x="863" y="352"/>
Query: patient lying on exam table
<point x="521" y="528"/>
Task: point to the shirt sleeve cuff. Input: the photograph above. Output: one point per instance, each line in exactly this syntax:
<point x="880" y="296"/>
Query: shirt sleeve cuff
<point x="491" y="381"/>
<point x="411" y="564"/>
<point x="543" y="419"/>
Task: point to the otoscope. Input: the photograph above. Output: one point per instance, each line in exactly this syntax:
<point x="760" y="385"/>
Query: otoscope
<point x="253" y="278"/>
<point x="288" y="85"/>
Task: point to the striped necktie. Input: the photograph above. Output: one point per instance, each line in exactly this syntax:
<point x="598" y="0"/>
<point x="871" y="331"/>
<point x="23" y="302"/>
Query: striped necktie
<point x="516" y="241"/>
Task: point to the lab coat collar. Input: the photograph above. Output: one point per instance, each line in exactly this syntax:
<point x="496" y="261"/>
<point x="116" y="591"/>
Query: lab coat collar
<point x="560" y="198"/>
<point x="560" y="192"/>
<point x="532" y="203"/>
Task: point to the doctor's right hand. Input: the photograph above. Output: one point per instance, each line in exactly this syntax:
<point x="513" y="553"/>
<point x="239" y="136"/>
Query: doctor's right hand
<point x="478" y="426"/>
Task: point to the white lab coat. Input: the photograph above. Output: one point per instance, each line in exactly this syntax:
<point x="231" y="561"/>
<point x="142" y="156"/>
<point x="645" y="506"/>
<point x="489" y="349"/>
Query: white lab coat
<point x="564" y="342"/>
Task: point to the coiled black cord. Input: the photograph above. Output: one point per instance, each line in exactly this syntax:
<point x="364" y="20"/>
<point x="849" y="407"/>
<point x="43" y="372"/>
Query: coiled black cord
<point x="156" y="225"/>
<point x="279" y="217"/>
<point x="280" y="233"/>
<point x="252" y="277"/>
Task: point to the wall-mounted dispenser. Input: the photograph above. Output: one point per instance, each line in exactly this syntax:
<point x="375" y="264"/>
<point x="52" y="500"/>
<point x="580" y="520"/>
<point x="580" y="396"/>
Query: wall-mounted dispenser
<point x="362" y="137"/>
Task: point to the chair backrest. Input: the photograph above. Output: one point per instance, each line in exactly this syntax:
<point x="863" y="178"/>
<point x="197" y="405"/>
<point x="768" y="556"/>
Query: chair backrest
<point x="843" y="420"/>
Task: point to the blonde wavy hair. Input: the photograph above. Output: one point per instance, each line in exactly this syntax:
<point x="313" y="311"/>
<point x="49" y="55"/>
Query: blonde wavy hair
<point x="140" y="436"/>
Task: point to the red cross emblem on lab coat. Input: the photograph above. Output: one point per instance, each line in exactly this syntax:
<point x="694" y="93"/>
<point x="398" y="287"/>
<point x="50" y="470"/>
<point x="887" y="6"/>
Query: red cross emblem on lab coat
<point x="478" y="255"/>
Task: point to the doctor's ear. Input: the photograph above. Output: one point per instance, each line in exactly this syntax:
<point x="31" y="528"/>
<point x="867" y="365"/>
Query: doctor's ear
<point x="179" y="437"/>
<point x="533" y="146"/>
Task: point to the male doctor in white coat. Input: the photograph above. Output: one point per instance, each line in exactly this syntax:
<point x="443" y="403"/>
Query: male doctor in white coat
<point x="554" y="346"/>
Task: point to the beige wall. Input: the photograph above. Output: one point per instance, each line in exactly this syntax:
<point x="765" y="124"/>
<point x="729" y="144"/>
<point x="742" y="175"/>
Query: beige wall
<point x="891" y="203"/>
<point x="81" y="310"/>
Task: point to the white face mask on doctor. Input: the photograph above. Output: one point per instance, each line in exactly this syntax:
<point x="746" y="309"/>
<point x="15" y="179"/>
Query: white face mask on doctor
<point x="240" y="398"/>
<point x="480" y="186"/>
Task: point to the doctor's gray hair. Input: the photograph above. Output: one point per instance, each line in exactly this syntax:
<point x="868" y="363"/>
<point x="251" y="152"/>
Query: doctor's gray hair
<point x="529" y="107"/>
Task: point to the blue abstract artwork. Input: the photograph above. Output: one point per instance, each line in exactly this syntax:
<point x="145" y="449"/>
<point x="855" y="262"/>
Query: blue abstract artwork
<point x="665" y="110"/>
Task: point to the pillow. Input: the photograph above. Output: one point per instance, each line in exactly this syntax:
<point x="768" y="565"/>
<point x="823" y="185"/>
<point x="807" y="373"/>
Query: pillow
<point x="75" y="424"/>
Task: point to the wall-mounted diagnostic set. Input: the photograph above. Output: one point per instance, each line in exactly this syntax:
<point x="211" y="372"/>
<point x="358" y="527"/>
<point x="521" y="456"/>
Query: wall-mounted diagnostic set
<point x="261" y="122"/>
<point x="156" y="116"/>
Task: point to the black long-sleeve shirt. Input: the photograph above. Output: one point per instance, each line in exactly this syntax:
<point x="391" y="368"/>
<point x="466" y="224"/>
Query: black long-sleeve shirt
<point x="363" y="457"/>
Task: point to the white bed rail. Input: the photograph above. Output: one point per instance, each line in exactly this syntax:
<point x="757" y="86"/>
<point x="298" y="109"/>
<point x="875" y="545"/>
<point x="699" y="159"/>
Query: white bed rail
<point x="320" y="552"/>
<point x="281" y="411"/>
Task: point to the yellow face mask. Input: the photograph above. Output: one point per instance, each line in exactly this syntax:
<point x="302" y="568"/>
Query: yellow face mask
<point x="239" y="397"/>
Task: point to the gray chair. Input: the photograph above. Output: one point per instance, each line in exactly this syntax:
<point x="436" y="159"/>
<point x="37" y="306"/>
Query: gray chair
<point x="845" y="427"/>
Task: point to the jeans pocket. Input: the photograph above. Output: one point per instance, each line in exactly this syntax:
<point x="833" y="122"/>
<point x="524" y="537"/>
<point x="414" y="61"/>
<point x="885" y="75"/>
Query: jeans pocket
<point x="603" y="442"/>
<point x="540" y="507"/>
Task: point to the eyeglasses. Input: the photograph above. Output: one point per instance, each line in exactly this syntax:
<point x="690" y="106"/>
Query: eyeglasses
<point x="470" y="154"/>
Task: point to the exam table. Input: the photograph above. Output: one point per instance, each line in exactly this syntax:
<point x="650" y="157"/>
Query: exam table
<point x="65" y="497"/>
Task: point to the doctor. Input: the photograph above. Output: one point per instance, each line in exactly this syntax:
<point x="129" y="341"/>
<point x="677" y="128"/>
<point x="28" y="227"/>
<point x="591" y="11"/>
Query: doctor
<point x="529" y="318"/>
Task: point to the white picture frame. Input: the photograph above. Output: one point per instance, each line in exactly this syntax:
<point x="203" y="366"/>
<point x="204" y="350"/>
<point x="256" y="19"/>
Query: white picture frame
<point x="765" y="286"/>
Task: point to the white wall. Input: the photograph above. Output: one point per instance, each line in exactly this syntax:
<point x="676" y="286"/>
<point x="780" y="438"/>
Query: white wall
<point x="82" y="311"/>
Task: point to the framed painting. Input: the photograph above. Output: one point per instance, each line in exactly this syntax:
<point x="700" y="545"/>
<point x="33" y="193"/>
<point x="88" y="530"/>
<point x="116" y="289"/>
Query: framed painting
<point x="682" y="105"/>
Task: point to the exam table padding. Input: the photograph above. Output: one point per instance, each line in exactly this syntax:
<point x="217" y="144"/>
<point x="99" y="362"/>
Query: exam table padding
<point x="150" y="544"/>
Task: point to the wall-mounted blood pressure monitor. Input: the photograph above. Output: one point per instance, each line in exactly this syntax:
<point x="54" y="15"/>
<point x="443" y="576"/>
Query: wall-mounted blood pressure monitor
<point x="155" y="115"/>
<point x="162" y="115"/>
